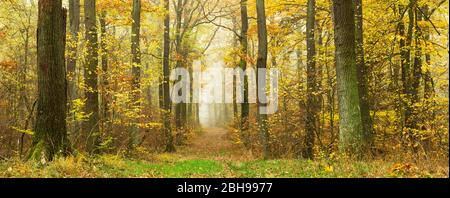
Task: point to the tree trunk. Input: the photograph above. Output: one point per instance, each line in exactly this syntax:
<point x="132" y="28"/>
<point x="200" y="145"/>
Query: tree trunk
<point x="363" y="77"/>
<point x="166" y="72"/>
<point x="236" y="43"/>
<point x="350" y="126"/>
<point x="50" y="137"/>
<point x="405" y="54"/>
<point x="179" y="58"/>
<point x="91" y="127"/>
<point x="136" y="70"/>
<point x="427" y="78"/>
<point x="245" y="107"/>
<point x="312" y="86"/>
<point x="74" y="17"/>
<point x="104" y="74"/>
<point x="74" y="20"/>
<point x="417" y="66"/>
<point x="261" y="79"/>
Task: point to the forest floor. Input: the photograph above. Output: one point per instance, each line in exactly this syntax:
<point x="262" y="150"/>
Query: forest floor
<point x="212" y="154"/>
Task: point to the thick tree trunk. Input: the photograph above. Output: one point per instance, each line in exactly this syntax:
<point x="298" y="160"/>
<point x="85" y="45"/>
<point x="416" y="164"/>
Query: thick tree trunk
<point x="350" y="126"/>
<point x="363" y="77"/>
<point x="91" y="127"/>
<point x="312" y="85"/>
<point x="261" y="80"/>
<point x="166" y="73"/>
<point x="50" y="136"/>
<point x="136" y="70"/>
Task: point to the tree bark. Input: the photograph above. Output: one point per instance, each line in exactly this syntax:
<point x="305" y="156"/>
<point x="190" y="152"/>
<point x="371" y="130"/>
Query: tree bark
<point x="136" y="70"/>
<point x="245" y="107"/>
<point x="236" y="43"/>
<point x="91" y="127"/>
<point x="50" y="136"/>
<point x="104" y="74"/>
<point x="74" y="17"/>
<point x="261" y="65"/>
<point x="363" y="77"/>
<point x="166" y="73"/>
<point x="417" y="66"/>
<point x="427" y="78"/>
<point x="312" y="86"/>
<point x="180" y="108"/>
<point x="405" y="54"/>
<point x="350" y="126"/>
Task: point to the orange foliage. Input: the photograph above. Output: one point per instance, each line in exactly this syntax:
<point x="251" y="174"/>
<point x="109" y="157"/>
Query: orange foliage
<point x="8" y="65"/>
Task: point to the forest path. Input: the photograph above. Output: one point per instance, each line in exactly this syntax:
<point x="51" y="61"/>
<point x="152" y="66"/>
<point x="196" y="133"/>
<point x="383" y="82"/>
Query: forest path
<point x="214" y="143"/>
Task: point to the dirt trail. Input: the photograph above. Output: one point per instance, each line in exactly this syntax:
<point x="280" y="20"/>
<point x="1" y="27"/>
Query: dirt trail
<point x="214" y="143"/>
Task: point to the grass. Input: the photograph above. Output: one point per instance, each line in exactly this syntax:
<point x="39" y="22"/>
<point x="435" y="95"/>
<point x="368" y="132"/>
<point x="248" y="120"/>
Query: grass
<point x="174" y="166"/>
<point x="211" y="156"/>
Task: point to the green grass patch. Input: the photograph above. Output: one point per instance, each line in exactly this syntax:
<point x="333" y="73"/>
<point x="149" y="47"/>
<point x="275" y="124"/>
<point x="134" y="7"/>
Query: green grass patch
<point x="186" y="168"/>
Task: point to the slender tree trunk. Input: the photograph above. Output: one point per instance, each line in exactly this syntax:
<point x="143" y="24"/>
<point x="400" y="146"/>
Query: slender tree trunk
<point x="190" y="106"/>
<point x="236" y="43"/>
<point x="161" y="78"/>
<point x="261" y="79"/>
<point x="136" y="70"/>
<point x="166" y="73"/>
<point x="91" y="126"/>
<point x="50" y="136"/>
<point x="312" y="86"/>
<point x="74" y="22"/>
<point x="416" y="74"/>
<point x="406" y="67"/>
<point x="245" y="107"/>
<point x="417" y="66"/>
<point x="363" y="77"/>
<point x="161" y="92"/>
<point x="74" y="17"/>
<point x="427" y="78"/>
<point x="104" y="74"/>
<point x="428" y="82"/>
<point x="178" y="60"/>
<point x="235" y="105"/>
<point x="350" y="126"/>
